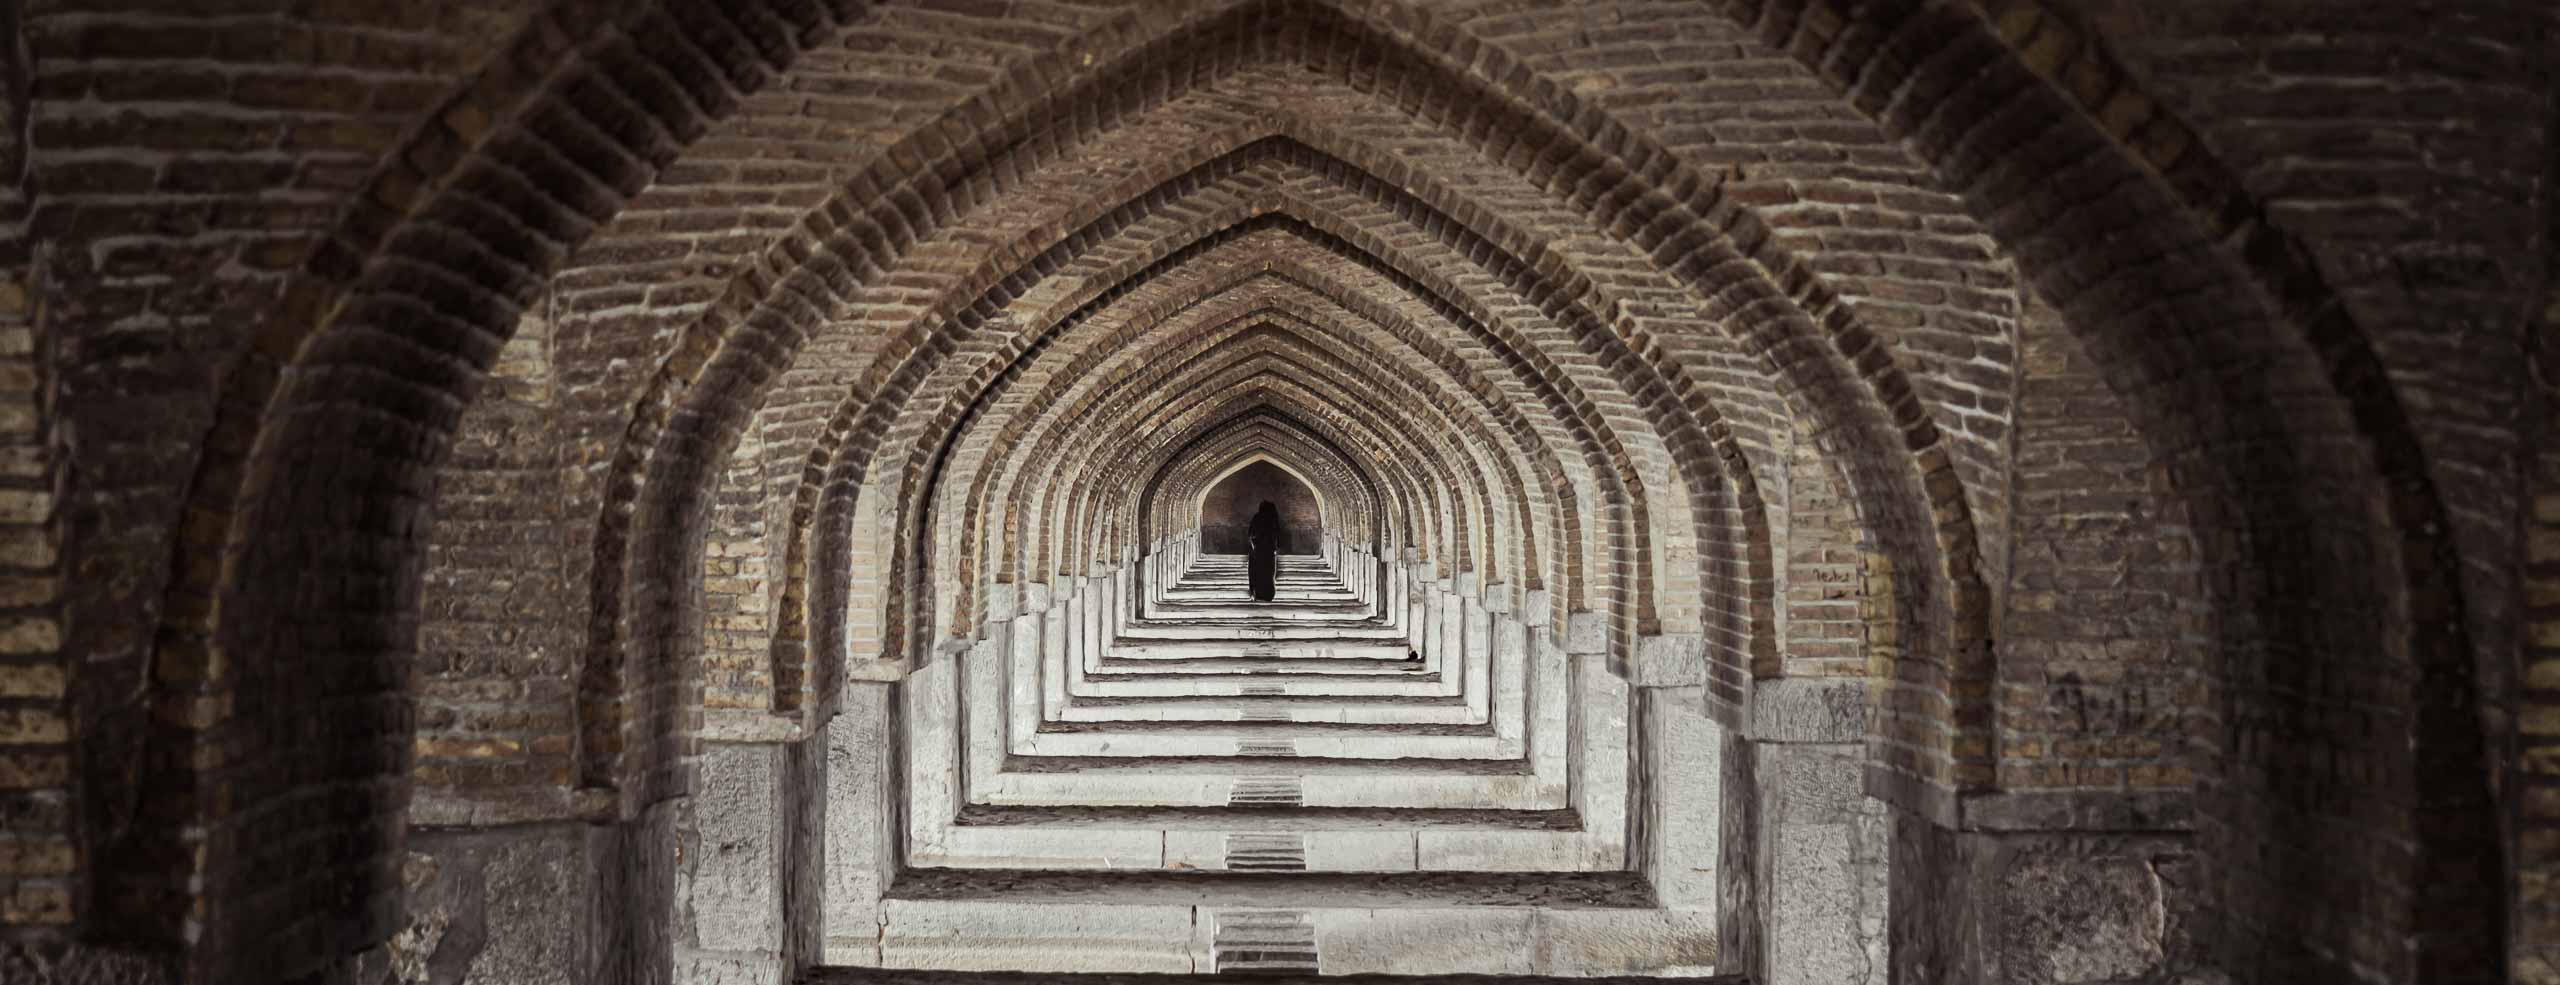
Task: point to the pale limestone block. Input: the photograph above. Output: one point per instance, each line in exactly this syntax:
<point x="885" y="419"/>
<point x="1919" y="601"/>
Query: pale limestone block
<point x="1360" y="851"/>
<point x="1023" y="847"/>
<point x="1686" y="750"/>
<point x="1506" y="792"/>
<point x="1586" y="633"/>
<point x="1473" y="941"/>
<point x="694" y="967"/>
<point x="732" y="883"/>
<point x="1510" y="679"/>
<point x="1519" y="851"/>
<point x="1021" y="718"/>
<point x="1551" y="713"/>
<point x="1117" y="789"/>
<point x="860" y="852"/>
<point x="982" y="686"/>
<point x="1814" y="814"/>
<point x="1665" y="660"/>
<point x="971" y="935"/>
<point x="932" y="762"/>
<point x="1798" y="709"/>
<point x="1195" y="850"/>
<point x="1601" y="796"/>
<point x="1813" y="921"/>
<point x="1667" y="943"/>
<point x="1474" y="628"/>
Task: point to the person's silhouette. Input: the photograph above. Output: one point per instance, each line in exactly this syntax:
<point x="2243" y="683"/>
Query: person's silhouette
<point x="1262" y="568"/>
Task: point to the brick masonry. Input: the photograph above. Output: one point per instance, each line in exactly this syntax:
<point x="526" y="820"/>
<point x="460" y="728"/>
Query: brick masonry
<point x="431" y="418"/>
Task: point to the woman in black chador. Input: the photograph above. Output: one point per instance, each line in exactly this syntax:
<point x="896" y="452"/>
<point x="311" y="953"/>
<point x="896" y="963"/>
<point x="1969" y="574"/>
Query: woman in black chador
<point x="1262" y="569"/>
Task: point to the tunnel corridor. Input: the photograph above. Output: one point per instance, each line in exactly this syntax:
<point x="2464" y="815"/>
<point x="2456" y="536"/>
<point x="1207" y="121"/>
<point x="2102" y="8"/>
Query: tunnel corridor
<point x="1789" y="492"/>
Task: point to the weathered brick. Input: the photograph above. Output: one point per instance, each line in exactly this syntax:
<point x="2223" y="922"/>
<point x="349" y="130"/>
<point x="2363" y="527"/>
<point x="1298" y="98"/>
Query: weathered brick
<point x="574" y="343"/>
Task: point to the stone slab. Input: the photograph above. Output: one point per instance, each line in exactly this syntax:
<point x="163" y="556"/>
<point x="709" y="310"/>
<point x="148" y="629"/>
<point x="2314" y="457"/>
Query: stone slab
<point x="963" y="936"/>
<point x="1799" y="709"/>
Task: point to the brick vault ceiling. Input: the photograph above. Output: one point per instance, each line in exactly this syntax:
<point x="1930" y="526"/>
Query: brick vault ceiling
<point x="706" y="386"/>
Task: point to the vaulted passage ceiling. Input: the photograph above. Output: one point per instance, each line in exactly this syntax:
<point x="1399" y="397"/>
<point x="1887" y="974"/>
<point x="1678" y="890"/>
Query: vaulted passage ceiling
<point x="1803" y="490"/>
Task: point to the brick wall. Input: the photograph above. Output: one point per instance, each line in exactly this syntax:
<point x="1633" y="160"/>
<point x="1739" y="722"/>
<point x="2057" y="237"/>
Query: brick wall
<point x="1826" y="633"/>
<point x="2533" y="798"/>
<point x="1653" y="303"/>
<point x="2103" y="679"/>
<point x="40" y="872"/>
<point x="2341" y="118"/>
<point x="496" y="613"/>
<point x="738" y="579"/>
<point x="2337" y="120"/>
<point x="182" y="159"/>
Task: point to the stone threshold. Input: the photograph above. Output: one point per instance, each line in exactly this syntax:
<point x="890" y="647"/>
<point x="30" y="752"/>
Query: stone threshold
<point x="1247" y="631"/>
<point x="901" y="976"/>
<point x="1238" y="765"/>
<point x="1271" y="729"/>
<point x="1549" y="890"/>
<point x="1263" y="818"/>
<point x="1099" y="700"/>
<point x="1187" y="668"/>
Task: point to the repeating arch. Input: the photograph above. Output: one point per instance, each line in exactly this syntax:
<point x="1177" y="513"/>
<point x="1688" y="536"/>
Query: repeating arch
<point x="352" y="385"/>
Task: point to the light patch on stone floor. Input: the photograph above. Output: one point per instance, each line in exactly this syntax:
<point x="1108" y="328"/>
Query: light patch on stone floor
<point x="1266" y="852"/>
<point x="1264" y="941"/>
<point x="1266" y="747"/>
<point x="1265" y="791"/>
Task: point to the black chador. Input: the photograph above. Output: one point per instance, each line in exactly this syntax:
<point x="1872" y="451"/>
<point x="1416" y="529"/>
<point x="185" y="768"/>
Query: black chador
<point x="1263" y="567"/>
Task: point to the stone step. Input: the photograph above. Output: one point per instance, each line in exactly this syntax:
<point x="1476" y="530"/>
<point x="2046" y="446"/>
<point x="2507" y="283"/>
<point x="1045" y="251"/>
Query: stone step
<point x="1286" y="585"/>
<point x="1303" y="819"/>
<point x="1245" y="629"/>
<point x="1315" y="649"/>
<point x="1238" y="585"/>
<point x="1239" y="573"/>
<point x="1240" y="612"/>
<point x="1248" y="761"/>
<point x="1151" y="789"/>
<point x="1135" y="840"/>
<point x="1418" y="716"/>
<point x="1137" y="742"/>
<point x="1238" y="577"/>
<point x="1417" y="687"/>
<point x="1263" y="942"/>
<point x="1247" y="689"/>
<point x="1285" y="612"/>
<point x="1250" y="667"/>
<point x="903" y="976"/>
<point x="1381" y="890"/>
<point x="1271" y="932"/>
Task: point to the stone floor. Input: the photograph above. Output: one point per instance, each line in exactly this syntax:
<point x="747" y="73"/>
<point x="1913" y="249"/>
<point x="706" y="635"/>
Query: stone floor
<point x="1373" y="773"/>
<point x="883" y="976"/>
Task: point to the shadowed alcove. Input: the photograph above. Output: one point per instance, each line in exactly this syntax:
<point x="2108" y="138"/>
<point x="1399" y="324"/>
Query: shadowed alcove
<point x="1229" y="506"/>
